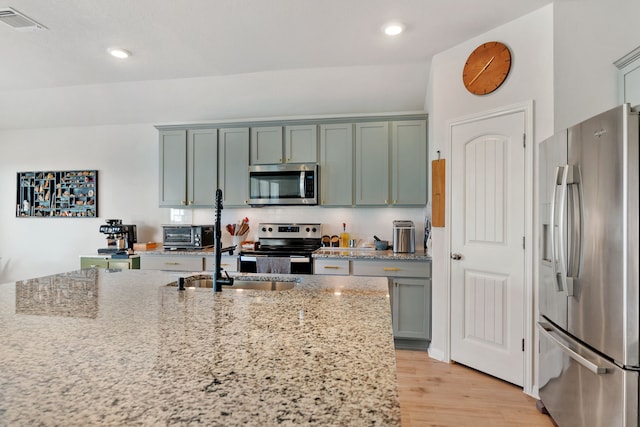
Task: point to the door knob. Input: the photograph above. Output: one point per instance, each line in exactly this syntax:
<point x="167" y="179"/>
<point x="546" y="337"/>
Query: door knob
<point x="456" y="256"/>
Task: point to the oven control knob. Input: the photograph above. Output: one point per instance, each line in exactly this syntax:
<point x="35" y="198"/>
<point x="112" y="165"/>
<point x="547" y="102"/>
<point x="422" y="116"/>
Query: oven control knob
<point x="264" y="228"/>
<point x="307" y="229"/>
<point x="270" y="229"/>
<point x="313" y="229"/>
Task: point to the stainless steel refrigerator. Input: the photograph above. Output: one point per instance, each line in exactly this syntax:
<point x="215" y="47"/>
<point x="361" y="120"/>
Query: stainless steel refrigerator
<point x="589" y="321"/>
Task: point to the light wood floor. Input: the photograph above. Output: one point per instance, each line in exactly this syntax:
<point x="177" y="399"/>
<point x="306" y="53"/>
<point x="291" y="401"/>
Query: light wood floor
<point x="434" y="393"/>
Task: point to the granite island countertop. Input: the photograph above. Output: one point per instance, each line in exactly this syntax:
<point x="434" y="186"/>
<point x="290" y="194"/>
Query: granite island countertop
<point x="119" y="347"/>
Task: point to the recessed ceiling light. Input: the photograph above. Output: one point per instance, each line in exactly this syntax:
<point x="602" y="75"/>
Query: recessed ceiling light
<point x="393" y="29"/>
<point x="119" y="53"/>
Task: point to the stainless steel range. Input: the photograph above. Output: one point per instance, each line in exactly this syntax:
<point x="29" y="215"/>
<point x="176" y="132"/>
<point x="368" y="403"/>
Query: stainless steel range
<point x="282" y="248"/>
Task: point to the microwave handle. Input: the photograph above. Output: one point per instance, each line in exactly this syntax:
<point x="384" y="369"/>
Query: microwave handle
<point x="302" y="183"/>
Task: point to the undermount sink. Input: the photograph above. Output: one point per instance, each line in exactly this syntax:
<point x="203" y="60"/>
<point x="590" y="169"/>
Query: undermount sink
<point x="260" y="285"/>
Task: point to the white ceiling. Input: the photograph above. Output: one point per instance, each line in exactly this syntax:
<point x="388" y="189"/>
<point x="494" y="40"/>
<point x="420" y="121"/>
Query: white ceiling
<point x="282" y="53"/>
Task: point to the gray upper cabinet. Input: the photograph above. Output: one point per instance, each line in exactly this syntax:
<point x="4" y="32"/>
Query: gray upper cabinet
<point x="233" y="161"/>
<point x="266" y="145"/>
<point x="336" y="165"/>
<point x="300" y="144"/>
<point x="362" y="161"/>
<point x="629" y="77"/>
<point x="188" y="168"/>
<point x="372" y="164"/>
<point x="202" y="167"/>
<point x="409" y="162"/>
<point x="173" y="168"/>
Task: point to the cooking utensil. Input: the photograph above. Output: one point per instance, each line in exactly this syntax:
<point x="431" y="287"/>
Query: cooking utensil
<point x="376" y="238"/>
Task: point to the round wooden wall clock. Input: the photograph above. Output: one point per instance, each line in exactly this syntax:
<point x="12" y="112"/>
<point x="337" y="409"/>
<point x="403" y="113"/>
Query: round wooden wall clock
<point x="486" y="68"/>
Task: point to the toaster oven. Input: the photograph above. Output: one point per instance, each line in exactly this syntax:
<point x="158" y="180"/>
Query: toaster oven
<point x="177" y="237"/>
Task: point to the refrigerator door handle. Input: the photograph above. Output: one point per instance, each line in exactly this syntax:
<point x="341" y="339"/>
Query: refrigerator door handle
<point x="552" y="226"/>
<point x="562" y="255"/>
<point x="558" y="255"/>
<point x="549" y="332"/>
<point x="575" y="239"/>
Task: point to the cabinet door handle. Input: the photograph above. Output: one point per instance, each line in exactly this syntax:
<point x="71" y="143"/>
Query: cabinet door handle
<point x="171" y="263"/>
<point x="183" y="202"/>
<point x="190" y="202"/>
<point x="331" y="266"/>
<point x="391" y="269"/>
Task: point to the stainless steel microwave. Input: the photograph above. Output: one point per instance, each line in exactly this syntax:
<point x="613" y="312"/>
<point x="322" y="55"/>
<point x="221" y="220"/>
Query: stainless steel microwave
<point x="176" y="237"/>
<point x="286" y="184"/>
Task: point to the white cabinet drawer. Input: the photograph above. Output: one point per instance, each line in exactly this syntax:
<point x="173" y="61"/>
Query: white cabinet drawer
<point x="175" y="263"/>
<point x="391" y="268"/>
<point x="229" y="263"/>
<point x="331" y="266"/>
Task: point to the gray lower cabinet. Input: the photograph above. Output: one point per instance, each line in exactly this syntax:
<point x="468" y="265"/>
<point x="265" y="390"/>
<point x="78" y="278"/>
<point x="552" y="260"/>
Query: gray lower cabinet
<point x="409" y="292"/>
<point x="410" y="307"/>
<point x="188" y="168"/>
<point x="172" y="262"/>
<point x="336" y="165"/>
<point x="233" y="164"/>
<point x="105" y="261"/>
<point x="228" y="263"/>
<point x="187" y="262"/>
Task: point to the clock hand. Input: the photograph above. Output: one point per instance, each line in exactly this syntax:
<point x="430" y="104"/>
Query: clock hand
<point x="482" y="71"/>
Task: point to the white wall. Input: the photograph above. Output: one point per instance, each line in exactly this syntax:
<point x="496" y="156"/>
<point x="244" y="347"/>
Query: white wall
<point x="126" y="158"/>
<point x="127" y="162"/>
<point x="590" y="35"/>
<point x="563" y="58"/>
<point x="530" y="40"/>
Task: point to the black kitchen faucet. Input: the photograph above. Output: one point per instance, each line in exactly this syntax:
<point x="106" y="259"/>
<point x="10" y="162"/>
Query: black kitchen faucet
<point x="218" y="279"/>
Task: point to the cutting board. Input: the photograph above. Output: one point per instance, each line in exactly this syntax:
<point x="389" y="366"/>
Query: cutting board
<point x="437" y="192"/>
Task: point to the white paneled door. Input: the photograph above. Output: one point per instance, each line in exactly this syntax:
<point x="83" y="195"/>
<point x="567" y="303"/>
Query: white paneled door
<point x="487" y="245"/>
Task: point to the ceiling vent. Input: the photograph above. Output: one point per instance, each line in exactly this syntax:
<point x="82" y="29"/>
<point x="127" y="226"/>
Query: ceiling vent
<point x="19" y="21"/>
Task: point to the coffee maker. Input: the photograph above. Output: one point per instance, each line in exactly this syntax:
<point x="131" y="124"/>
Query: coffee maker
<point x="120" y="237"/>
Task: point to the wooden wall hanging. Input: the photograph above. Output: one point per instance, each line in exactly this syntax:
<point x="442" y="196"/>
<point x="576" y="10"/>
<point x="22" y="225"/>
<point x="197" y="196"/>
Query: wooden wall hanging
<point x="57" y="194"/>
<point x="438" y="192"/>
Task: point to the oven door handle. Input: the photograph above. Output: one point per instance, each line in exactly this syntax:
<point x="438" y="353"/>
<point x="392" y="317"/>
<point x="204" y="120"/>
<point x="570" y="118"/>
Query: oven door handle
<point x="292" y="258"/>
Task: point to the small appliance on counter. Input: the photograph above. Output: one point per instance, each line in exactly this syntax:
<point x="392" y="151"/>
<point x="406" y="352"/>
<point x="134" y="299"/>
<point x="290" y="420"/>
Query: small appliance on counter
<point x="187" y="237"/>
<point x="404" y="237"/>
<point x="120" y="237"/>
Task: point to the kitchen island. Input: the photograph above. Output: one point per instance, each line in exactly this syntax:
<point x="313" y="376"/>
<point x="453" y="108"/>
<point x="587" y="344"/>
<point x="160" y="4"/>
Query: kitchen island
<point x="120" y="347"/>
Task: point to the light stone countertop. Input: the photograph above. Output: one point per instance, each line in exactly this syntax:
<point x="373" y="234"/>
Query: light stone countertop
<point x="118" y="347"/>
<point x="370" y="254"/>
<point x="186" y="252"/>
